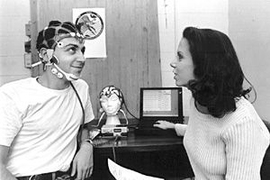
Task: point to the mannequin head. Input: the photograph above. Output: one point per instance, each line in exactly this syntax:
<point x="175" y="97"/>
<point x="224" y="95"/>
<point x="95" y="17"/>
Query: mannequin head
<point x="111" y="100"/>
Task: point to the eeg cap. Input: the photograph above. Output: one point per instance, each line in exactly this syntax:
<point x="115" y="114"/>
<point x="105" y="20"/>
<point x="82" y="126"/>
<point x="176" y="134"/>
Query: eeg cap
<point x="55" y="32"/>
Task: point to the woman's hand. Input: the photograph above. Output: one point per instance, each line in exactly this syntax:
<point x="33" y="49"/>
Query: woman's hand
<point x="164" y="124"/>
<point x="83" y="162"/>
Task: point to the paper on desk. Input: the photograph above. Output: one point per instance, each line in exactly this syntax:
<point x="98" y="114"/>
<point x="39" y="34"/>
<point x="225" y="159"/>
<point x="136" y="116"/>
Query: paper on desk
<point x="121" y="173"/>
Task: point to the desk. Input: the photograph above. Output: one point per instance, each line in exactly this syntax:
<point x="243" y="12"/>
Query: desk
<point x="159" y="155"/>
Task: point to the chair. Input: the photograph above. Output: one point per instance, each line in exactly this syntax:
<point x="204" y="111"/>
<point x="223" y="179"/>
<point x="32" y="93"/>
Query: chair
<point x="265" y="168"/>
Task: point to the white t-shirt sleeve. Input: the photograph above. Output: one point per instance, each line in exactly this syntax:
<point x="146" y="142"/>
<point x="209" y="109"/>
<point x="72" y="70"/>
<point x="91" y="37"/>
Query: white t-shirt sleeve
<point x="88" y="109"/>
<point x="89" y="115"/>
<point x="10" y="120"/>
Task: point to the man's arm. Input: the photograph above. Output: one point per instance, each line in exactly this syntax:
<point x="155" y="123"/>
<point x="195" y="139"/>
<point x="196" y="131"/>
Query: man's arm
<point x="85" y="133"/>
<point x="4" y="173"/>
<point x="83" y="161"/>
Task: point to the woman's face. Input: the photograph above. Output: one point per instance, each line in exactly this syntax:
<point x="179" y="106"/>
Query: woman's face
<point x="183" y="65"/>
<point x="111" y="104"/>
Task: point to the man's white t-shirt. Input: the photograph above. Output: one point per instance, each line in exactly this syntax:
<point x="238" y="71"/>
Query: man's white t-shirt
<point x="40" y="125"/>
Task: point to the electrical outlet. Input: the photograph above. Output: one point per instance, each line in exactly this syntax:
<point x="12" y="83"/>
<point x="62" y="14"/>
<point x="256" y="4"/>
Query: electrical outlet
<point x="27" y="60"/>
<point x="28" y="29"/>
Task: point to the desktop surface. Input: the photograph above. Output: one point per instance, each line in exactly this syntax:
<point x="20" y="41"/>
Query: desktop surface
<point x="135" y="141"/>
<point x="160" y="156"/>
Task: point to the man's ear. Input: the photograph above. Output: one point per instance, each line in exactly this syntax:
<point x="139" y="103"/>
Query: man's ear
<point x="45" y="54"/>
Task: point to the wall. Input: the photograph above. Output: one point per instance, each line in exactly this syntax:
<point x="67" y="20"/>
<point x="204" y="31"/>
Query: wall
<point x="174" y="16"/>
<point x="167" y="39"/>
<point x="14" y="15"/>
<point x="249" y="30"/>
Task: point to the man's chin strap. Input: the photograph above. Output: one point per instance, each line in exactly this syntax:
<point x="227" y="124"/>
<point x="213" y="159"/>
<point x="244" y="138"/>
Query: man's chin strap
<point x="70" y="77"/>
<point x="57" y="71"/>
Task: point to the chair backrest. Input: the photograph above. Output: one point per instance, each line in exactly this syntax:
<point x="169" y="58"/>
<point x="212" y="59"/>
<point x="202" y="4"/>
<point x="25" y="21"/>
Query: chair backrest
<point x="265" y="168"/>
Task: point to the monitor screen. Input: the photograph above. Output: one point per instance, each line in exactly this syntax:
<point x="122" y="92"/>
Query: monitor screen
<point x="161" y="102"/>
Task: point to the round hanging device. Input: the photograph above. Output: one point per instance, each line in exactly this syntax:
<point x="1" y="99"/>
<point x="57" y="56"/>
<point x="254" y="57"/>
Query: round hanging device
<point x="90" y="24"/>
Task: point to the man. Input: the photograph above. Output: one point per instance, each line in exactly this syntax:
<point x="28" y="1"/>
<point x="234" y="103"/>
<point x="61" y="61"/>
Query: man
<point x="40" y="117"/>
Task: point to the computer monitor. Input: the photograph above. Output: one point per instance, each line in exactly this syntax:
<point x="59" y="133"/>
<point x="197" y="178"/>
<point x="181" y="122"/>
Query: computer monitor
<point x="160" y="103"/>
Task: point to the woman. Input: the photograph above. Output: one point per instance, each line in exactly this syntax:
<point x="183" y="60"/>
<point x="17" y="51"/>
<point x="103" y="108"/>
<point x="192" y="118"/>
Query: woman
<point x="225" y="137"/>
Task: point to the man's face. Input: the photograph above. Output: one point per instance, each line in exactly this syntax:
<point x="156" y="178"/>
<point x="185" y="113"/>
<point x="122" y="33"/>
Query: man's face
<point x="70" y="53"/>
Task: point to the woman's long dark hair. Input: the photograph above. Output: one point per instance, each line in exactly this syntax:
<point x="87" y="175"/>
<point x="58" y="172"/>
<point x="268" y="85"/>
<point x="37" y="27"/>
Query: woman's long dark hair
<point x="218" y="75"/>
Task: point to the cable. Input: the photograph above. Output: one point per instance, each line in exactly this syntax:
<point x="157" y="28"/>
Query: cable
<point x="124" y="115"/>
<point x="103" y="113"/>
<point x="124" y="103"/>
<point x="79" y="135"/>
<point x="113" y="147"/>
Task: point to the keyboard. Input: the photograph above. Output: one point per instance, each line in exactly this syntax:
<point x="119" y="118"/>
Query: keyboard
<point x="154" y="131"/>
